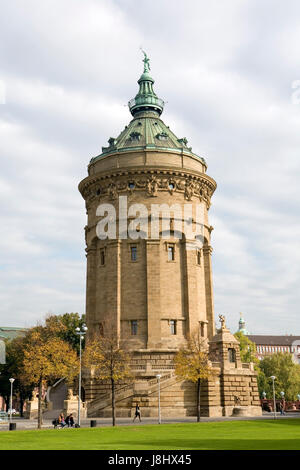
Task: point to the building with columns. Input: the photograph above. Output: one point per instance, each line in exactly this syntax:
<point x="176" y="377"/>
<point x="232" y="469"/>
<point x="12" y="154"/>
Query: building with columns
<point x="155" y="288"/>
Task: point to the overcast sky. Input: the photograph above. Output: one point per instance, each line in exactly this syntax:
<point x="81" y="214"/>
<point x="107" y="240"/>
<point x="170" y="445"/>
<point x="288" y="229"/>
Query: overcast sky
<point x="227" y="71"/>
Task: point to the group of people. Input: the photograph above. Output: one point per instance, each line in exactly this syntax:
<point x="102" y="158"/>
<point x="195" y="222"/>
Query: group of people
<point x="61" y="421"/>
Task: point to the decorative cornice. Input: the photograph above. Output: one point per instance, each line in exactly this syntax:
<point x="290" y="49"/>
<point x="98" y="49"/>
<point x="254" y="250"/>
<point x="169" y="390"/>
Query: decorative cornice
<point x="111" y="184"/>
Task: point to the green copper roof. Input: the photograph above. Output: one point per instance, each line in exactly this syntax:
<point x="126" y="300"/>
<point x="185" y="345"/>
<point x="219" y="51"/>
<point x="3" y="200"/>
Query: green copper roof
<point x="146" y="130"/>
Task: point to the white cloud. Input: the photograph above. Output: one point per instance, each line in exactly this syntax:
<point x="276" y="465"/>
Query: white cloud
<point x="226" y="70"/>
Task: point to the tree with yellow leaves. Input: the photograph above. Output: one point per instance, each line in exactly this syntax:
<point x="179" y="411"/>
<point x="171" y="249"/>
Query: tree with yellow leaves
<point x="192" y="363"/>
<point x="47" y="357"/>
<point x="109" y="361"/>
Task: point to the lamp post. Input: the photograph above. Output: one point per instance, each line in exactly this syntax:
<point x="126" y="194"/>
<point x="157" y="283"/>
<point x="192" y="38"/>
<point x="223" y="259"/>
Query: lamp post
<point x="273" y="380"/>
<point x="11" y="395"/>
<point x="159" y="415"/>
<point x="81" y="333"/>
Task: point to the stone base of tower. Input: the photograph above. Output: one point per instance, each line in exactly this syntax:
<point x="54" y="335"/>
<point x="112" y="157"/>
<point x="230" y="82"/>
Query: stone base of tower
<point x="231" y="392"/>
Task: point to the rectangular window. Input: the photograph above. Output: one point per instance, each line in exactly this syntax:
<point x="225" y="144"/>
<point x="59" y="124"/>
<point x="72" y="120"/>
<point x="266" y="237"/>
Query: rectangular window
<point x="134" y="327"/>
<point x="171" y="253"/>
<point x="202" y="329"/>
<point x="133" y="250"/>
<point x="102" y="257"/>
<point x="173" y="327"/>
<point x="199" y="257"/>
<point x="231" y="355"/>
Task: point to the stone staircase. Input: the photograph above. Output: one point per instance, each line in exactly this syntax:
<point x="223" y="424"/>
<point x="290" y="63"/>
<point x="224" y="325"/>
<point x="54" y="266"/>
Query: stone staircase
<point x="135" y="392"/>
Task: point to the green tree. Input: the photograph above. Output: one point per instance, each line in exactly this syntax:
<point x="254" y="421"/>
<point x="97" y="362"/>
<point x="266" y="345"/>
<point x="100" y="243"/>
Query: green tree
<point x="64" y="327"/>
<point x="13" y="368"/>
<point x="109" y="361"/>
<point x="46" y="358"/>
<point x="192" y="363"/>
<point x="247" y="348"/>
<point x="287" y="375"/>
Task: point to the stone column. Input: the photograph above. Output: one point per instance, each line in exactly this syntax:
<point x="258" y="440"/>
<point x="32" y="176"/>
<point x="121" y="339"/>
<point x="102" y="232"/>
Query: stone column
<point x="153" y="294"/>
<point x="191" y="287"/>
<point x="113" y="299"/>
<point x="207" y="251"/>
<point x="91" y="284"/>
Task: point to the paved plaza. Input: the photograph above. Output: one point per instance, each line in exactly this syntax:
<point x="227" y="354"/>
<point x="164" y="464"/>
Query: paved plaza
<point x="23" y="424"/>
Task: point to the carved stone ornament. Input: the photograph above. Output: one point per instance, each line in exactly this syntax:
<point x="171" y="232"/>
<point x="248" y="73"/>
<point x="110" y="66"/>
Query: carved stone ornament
<point x="112" y="191"/>
<point x="152" y="186"/>
<point x="189" y="189"/>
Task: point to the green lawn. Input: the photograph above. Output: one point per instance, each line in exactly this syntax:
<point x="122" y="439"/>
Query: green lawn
<point x="242" y="435"/>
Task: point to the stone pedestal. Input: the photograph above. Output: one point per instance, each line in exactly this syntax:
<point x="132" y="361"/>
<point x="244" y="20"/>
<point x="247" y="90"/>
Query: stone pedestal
<point x="240" y="411"/>
<point x="238" y="391"/>
<point x="31" y="409"/>
<point x="71" y="406"/>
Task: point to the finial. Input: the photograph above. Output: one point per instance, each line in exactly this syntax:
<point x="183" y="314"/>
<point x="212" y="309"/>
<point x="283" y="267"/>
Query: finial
<point x="146" y="61"/>
<point x="222" y="321"/>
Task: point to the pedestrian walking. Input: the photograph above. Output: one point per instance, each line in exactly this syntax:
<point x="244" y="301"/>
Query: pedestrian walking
<point x="282" y="407"/>
<point x="137" y="413"/>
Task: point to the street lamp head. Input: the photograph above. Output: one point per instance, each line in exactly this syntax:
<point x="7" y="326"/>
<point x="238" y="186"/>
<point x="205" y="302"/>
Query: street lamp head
<point x="158" y="376"/>
<point x="273" y="377"/>
<point x="77" y="329"/>
<point x="11" y="380"/>
<point x="85" y="328"/>
<point x="282" y="394"/>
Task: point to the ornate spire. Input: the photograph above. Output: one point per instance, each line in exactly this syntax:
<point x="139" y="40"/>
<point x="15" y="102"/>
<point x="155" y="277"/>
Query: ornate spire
<point x="146" y="62"/>
<point x="242" y="325"/>
<point x="146" y="99"/>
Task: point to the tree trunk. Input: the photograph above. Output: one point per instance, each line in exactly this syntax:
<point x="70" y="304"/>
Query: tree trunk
<point x="198" y="400"/>
<point x="113" y="405"/>
<point x="21" y="405"/>
<point x="7" y="399"/>
<point x="40" y="418"/>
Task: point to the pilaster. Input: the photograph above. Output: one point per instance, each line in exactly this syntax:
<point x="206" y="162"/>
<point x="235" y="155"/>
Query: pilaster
<point x="153" y="293"/>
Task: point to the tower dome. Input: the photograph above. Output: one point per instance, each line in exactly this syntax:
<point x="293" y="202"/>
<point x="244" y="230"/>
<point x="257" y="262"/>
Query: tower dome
<point x="147" y="131"/>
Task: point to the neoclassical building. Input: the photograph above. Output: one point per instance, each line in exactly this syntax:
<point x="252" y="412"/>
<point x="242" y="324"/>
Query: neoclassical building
<point x="155" y="288"/>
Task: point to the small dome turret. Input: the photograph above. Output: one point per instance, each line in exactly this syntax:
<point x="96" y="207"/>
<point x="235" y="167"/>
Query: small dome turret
<point x="146" y="99"/>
